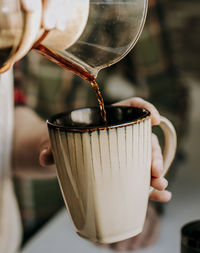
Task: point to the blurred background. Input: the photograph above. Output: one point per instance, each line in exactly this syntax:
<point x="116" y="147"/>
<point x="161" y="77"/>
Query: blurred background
<point x="163" y="68"/>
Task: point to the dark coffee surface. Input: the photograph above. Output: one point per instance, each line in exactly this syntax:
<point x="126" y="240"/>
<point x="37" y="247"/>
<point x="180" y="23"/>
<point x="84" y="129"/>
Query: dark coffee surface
<point x="87" y="118"/>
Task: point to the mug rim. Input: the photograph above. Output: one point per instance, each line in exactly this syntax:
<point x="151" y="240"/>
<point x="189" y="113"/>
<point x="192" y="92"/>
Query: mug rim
<point x="82" y="129"/>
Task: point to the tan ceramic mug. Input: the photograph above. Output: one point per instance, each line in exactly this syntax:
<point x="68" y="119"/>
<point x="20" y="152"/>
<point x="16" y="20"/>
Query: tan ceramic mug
<point x="105" y="171"/>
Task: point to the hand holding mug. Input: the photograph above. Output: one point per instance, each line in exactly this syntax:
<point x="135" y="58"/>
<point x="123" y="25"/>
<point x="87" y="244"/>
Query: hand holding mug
<point x="104" y="171"/>
<point x="158" y="182"/>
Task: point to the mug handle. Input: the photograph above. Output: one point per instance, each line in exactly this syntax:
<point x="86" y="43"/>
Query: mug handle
<point x="170" y="145"/>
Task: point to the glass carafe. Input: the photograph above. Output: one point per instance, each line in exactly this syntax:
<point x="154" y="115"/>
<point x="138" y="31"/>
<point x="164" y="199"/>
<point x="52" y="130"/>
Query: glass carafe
<point x="95" y="38"/>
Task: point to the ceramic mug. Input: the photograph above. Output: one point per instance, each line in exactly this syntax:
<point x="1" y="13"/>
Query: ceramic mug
<point x="104" y="171"/>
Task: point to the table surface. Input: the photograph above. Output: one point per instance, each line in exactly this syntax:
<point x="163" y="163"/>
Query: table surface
<point x="58" y="235"/>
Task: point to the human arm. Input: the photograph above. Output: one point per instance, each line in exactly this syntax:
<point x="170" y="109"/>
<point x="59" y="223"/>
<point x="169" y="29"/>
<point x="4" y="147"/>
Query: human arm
<point x="29" y="132"/>
<point x="158" y="182"/>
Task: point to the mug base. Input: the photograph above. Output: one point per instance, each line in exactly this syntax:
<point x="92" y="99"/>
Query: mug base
<point x="111" y="239"/>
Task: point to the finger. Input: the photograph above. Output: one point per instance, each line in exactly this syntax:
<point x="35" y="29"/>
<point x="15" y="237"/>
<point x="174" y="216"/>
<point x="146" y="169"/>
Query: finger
<point x="46" y="157"/>
<point x="64" y="15"/>
<point x="159" y="183"/>
<point x="161" y="196"/>
<point x="51" y="13"/>
<point x="141" y="103"/>
<point x="31" y="5"/>
<point x="157" y="158"/>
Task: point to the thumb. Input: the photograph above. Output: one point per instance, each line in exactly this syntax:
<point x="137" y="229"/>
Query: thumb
<point x="46" y="156"/>
<point x="31" y="5"/>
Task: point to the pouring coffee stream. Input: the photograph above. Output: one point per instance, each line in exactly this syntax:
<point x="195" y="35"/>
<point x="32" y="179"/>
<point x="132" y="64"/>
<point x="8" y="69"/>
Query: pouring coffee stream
<point x="52" y="56"/>
<point x="75" y="68"/>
